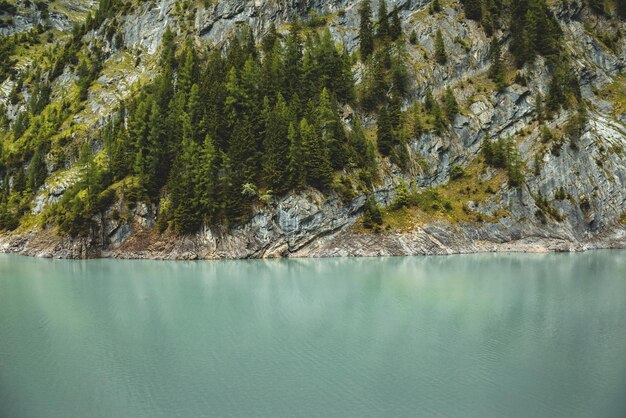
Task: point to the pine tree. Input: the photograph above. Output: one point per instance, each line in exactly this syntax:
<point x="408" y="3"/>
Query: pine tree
<point x="184" y="201"/>
<point x="451" y="105"/>
<point x="435" y="6"/>
<point x="296" y="171"/>
<point x="383" y="20"/>
<point x="270" y="38"/>
<point x="439" y="121"/>
<point x="366" y="36"/>
<point x="207" y="180"/>
<point x="597" y="6"/>
<point x="440" y="48"/>
<point x="276" y="148"/>
<point x="473" y="9"/>
<point x="374" y="86"/>
<point x="364" y="154"/>
<point x="429" y="100"/>
<point x="418" y="128"/>
<point x="167" y="60"/>
<point x="315" y="163"/>
<point x="19" y="181"/>
<point x="372" y="217"/>
<point x="189" y="72"/>
<point x="385" y="134"/>
<point x="621" y="8"/>
<point x="395" y="30"/>
<point x="395" y="112"/>
<point x="292" y="61"/>
<point x="496" y="71"/>
<point x="37" y="170"/>
<point x="329" y="125"/>
<point x="243" y="167"/>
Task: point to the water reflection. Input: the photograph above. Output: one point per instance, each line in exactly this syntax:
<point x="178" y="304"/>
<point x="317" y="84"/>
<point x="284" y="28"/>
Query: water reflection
<point x="479" y="335"/>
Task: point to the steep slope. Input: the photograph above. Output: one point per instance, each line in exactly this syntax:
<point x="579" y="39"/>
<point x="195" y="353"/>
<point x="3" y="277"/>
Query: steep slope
<point x="504" y="173"/>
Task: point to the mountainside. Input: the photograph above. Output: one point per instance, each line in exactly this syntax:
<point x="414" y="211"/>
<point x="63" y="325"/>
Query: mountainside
<point x="210" y="129"/>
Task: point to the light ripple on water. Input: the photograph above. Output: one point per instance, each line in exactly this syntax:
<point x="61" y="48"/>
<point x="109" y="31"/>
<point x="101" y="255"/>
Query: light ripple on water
<point x="483" y="335"/>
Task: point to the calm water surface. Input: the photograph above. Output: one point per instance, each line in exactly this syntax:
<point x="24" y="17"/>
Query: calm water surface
<point x="462" y="336"/>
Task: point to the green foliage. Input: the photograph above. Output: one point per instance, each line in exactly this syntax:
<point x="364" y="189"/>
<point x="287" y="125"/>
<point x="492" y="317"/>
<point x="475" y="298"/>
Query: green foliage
<point x="440" y="48"/>
<point x="403" y="196"/>
<point x="438" y="118"/>
<point x="564" y="89"/>
<point x="451" y="105"/>
<point x="7" y="63"/>
<point x="363" y="152"/>
<point x="456" y="172"/>
<point x="621" y="8"/>
<point x="366" y="33"/>
<point x="37" y="171"/>
<point x="315" y="159"/>
<point x="496" y="71"/>
<point x="597" y="6"/>
<point x="395" y="28"/>
<point x="385" y="136"/>
<point x="435" y="6"/>
<point x="385" y="75"/>
<point x="534" y="30"/>
<point x="372" y="216"/>
<point x="383" y="20"/>
<point x="503" y="153"/>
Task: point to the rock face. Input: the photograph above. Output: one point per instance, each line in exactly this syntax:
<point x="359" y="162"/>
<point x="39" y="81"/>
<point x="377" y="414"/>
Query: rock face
<point x="29" y="14"/>
<point x="590" y="169"/>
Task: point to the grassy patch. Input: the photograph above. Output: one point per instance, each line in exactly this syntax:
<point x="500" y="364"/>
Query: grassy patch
<point x="445" y="203"/>
<point x="615" y="93"/>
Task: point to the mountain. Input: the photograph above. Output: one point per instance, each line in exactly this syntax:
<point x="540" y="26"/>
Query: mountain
<point x="266" y="128"/>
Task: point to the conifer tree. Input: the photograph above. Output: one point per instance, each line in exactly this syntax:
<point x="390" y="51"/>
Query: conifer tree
<point x="167" y="60"/>
<point x="385" y="134"/>
<point x="182" y="186"/>
<point x="440" y="48"/>
<point x="496" y="71"/>
<point x="315" y="163"/>
<point x="473" y="9"/>
<point x="276" y="147"/>
<point x="597" y="6"/>
<point x="270" y="38"/>
<point x="206" y="180"/>
<point x="418" y="128"/>
<point x="366" y="35"/>
<point x="429" y="100"/>
<point x="331" y="130"/>
<point x="364" y="154"/>
<point x="243" y="167"/>
<point x="621" y="8"/>
<point x="189" y="72"/>
<point x="451" y="105"/>
<point x="435" y="6"/>
<point x="372" y="217"/>
<point x="293" y="61"/>
<point x="395" y="29"/>
<point x="272" y="73"/>
<point x="296" y="172"/>
<point x="37" y="170"/>
<point x="383" y="20"/>
<point x="19" y="180"/>
<point x="439" y="121"/>
<point x="395" y="111"/>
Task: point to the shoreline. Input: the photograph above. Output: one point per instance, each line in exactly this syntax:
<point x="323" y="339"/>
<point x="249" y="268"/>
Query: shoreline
<point x="342" y="244"/>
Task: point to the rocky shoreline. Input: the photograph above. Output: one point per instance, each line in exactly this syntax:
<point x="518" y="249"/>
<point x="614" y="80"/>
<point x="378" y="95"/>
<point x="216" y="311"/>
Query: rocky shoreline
<point x="436" y="239"/>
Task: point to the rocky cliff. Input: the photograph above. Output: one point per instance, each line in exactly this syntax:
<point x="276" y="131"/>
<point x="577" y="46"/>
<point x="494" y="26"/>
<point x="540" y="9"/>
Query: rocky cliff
<point x="573" y="196"/>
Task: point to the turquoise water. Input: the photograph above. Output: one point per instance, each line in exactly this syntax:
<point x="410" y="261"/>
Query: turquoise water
<point x="461" y="336"/>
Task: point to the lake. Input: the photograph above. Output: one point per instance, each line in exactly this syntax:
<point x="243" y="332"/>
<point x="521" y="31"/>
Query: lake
<point x="490" y="335"/>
